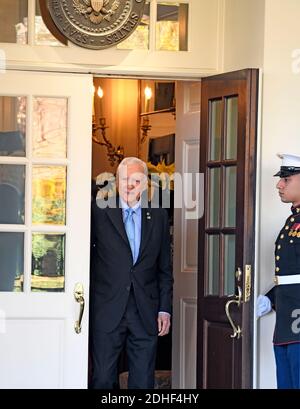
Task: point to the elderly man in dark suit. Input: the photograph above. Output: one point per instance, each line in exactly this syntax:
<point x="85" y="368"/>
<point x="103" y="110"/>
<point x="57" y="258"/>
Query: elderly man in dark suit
<point x="131" y="283"/>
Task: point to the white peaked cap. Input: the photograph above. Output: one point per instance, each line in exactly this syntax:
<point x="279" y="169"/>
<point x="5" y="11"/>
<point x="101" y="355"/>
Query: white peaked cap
<point x="289" y="160"/>
<point x="290" y="165"/>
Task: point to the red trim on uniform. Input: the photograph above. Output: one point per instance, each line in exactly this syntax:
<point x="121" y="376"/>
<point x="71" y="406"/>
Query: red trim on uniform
<point x="287" y="343"/>
<point x="295" y="226"/>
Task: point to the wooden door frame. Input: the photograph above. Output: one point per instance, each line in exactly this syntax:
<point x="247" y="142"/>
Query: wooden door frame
<point x="247" y="190"/>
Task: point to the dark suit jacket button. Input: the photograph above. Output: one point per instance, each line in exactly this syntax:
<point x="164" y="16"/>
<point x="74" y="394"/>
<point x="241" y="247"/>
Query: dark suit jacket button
<point x="128" y="288"/>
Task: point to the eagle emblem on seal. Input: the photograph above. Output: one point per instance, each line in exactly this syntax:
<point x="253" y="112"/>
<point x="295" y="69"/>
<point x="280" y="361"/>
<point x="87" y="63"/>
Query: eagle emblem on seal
<point x="96" y="10"/>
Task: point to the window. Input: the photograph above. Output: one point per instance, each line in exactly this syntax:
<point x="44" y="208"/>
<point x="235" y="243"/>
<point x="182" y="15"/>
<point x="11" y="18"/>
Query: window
<point x="139" y="39"/>
<point x="170" y="21"/>
<point x="42" y="35"/>
<point x="164" y="26"/>
<point x="171" y="26"/>
<point x="13" y="17"/>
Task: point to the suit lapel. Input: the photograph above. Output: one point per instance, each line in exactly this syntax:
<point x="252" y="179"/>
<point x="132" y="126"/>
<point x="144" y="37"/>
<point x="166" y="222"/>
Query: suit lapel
<point x="115" y="216"/>
<point x="147" y="224"/>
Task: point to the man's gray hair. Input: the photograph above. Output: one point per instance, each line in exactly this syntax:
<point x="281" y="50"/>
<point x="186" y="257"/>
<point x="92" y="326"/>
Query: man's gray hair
<point x="133" y="161"/>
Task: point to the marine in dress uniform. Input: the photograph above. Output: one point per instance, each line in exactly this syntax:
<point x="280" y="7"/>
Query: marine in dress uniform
<point x="285" y="295"/>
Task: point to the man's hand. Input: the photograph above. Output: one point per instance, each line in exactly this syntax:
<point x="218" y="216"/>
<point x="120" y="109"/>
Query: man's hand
<point x="164" y="323"/>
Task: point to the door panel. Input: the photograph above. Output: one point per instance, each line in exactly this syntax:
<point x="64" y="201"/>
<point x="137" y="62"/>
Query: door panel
<point x="45" y="162"/>
<point x="184" y="331"/>
<point x="226" y="232"/>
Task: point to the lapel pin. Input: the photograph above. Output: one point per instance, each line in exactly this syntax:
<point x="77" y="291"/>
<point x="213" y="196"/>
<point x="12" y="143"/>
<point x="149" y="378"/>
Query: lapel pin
<point x="148" y="216"/>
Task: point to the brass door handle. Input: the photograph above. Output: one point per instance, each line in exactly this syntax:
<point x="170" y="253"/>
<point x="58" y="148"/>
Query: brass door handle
<point x="237" y="332"/>
<point x="79" y="297"/>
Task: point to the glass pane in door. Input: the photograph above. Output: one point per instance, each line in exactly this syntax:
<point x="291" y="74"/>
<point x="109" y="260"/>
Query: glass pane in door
<point x="48" y="263"/>
<point x="42" y="34"/>
<point x="49" y="194"/>
<point x="230" y="196"/>
<point x="12" y="126"/>
<point x="214" y="197"/>
<point x="172" y="26"/>
<point x="229" y="264"/>
<point x="13" y="17"/>
<point x="11" y="261"/>
<point x="215" y="129"/>
<point x="50" y="127"/>
<point x="213" y="264"/>
<point x="231" y="127"/>
<point x="139" y="39"/>
<point x="12" y="194"/>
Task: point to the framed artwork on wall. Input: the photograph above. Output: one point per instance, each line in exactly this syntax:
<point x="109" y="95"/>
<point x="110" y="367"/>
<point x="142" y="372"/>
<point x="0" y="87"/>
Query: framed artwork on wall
<point x="164" y="95"/>
<point x="156" y="96"/>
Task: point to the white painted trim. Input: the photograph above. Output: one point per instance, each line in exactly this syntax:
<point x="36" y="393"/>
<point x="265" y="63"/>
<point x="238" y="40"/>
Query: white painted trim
<point x="15" y="228"/>
<point x="114" y="71"/>
<point x="258" y="206"/>
<point x="184" y="242"/>
<point x="31" y="22"/>
<point x="152" y="25"/>
<point x="221" y="36"/>
<point x="9" y="160"/>
<point x="183" y="303"/>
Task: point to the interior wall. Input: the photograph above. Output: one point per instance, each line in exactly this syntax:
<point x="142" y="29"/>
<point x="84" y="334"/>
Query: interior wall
<point x="120" y="107"/>
<point x="265" y="34"/>
<point x="280" y="133"/>
<point x="244" y="37"/>
<point x="243" y="34"/>
<point x="161" y="124"/>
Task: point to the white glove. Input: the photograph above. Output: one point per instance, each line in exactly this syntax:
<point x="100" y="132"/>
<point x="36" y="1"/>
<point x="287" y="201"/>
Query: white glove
<point x="263" y="306"/>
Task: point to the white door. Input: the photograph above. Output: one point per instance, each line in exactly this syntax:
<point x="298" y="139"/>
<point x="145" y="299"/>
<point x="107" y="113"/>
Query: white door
<point x="185" y="240"/>
<point x="45" y="164"/>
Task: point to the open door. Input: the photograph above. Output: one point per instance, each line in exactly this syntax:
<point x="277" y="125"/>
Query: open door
<point x="45" y="166"/>
<point x="185" y="269"/>
<point x="226" y="231"/>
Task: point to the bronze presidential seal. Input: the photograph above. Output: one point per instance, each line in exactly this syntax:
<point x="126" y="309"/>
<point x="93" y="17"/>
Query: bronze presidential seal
<point x="96" y="24"/>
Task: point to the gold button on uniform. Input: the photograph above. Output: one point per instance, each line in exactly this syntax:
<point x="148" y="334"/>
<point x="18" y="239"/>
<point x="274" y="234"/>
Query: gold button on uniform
<point x="287" y="227"/>
<point x="277" y="269"/>
<point x="282" y="236"/>
<point x="278" y="247"/>
<point x="292" y="219"/>
<point x="277" y="257"/>
<point x="291" y="241"/>
<point x="298" y="210"/>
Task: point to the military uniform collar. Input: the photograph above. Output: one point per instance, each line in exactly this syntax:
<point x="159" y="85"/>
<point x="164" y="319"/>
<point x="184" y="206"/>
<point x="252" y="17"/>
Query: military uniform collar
<point x="296" y="209"/>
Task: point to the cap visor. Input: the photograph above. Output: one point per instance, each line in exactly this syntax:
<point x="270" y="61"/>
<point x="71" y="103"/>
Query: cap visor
<point x="286" y="173"/>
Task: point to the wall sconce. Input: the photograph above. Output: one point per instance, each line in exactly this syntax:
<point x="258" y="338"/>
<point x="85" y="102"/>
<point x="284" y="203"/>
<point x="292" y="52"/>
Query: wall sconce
<point x="164" y="103"/>
<point x="145" y="126"/>
<point x="113" y="154"/>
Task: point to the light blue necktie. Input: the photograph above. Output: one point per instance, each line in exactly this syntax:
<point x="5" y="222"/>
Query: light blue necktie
<point x="129" y="227"/>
